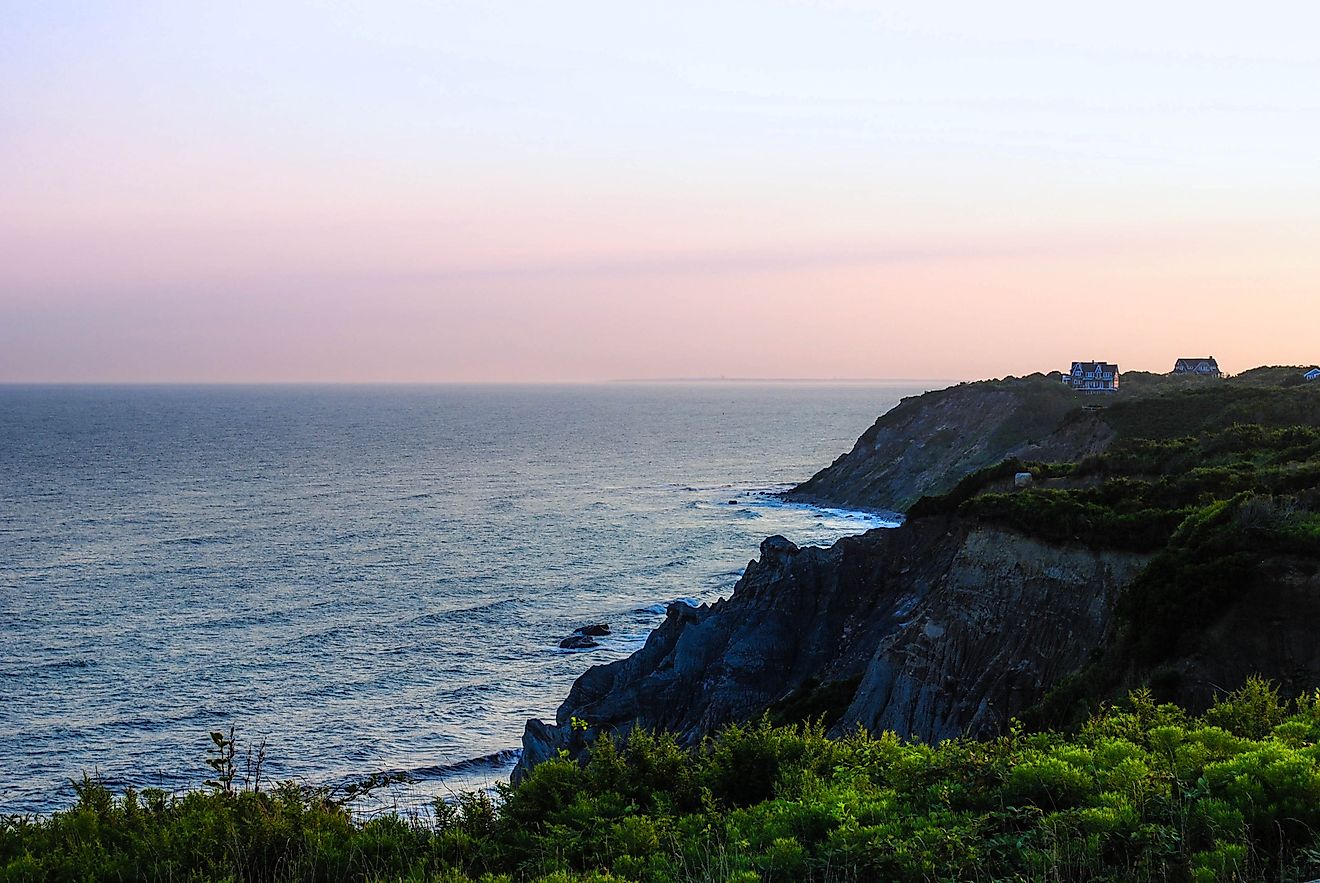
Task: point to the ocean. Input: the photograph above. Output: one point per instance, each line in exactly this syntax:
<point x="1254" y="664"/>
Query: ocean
<point x="366" y="578"/>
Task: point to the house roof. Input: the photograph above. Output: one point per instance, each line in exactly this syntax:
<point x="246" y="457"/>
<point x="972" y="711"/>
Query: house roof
<point x="1196" y="365"/>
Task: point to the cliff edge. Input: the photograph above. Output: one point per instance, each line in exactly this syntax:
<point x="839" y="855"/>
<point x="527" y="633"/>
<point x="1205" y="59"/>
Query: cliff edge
<point x="1169" y="539"/>
<point x="927" y="443"/>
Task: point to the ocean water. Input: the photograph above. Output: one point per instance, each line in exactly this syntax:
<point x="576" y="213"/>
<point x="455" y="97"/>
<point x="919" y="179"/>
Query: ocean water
<point x="369" y="579"/>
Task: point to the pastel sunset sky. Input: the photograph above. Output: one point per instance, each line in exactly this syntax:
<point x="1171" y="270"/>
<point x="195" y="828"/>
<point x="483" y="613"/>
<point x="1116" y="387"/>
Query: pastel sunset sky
<point x="455" y="191"/>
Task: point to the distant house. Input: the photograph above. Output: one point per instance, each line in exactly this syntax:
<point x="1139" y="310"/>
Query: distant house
<point x="1092" y="376"/>
<point x="1207" y="367"/>
<point x="1313" y="374"/>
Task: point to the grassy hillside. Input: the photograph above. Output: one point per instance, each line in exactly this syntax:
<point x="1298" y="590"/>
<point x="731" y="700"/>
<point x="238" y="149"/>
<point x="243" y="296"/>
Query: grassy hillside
<point x="1141" y="792"/>
<point x="1221" y="480"/>
<point x="1138" y="494"/>
<point x="927" y="443"/>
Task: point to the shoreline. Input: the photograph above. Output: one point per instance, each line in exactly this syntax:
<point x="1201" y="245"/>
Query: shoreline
<point x="485" y="770"/>
<point x="502" y="761"/>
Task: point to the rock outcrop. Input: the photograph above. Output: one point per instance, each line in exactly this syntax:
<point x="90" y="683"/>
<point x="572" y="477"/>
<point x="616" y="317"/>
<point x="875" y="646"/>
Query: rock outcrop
<point x="1007" y="619"/>
<point x="935" y="628"/>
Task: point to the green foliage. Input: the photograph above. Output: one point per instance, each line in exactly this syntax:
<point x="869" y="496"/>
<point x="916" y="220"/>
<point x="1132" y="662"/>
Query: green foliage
<point x="1063" y="516"/>
<point x="1138" y="494"/>
<point x="1254" y="711"/>
<point x="1213" y="563"/>
<point x="223" y="763"/>
<point x="1140" y="792"/>
<point x="1203" y="407"/>
<point x="815" y="701"/>
<point x="1214" y="509"/>
<point x="973" y="484"/>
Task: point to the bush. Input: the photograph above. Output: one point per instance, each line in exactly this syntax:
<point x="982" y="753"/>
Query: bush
<point x="1141" y="792"/>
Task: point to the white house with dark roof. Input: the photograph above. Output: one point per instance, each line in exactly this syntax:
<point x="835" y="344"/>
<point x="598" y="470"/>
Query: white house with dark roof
<point x="1092" y="376"/>
<point x="1313" y="374"/>
<point x="1206" y="367"/>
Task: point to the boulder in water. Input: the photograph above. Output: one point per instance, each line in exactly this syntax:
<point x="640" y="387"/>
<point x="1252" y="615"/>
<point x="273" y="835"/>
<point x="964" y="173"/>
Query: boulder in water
<point x="578" y="642"/>
<point x="596" y="629"/>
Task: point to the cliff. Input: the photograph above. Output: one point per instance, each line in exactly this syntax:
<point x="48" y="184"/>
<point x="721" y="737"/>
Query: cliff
<point x="894" y="629"/>
<point x="1169" y="540"/>
<point x="927" y="443"/>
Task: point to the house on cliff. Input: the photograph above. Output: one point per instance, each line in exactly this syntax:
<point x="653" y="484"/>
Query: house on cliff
<point x="1313" y="374"/>
<point x="1092" y="376"/>
<point x="1207" y="367"/>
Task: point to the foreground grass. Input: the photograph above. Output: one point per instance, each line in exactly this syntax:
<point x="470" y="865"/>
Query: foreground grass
<point x="1142" y="792"/>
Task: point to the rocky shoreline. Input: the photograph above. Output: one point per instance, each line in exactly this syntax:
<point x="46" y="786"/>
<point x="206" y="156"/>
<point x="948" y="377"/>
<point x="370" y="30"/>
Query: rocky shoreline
<point x="898" y="618"/>
<point x="947" y="625"/>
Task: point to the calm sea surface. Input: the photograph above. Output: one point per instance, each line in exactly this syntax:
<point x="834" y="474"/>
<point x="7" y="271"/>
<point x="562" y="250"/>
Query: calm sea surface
<point x="369" y="578"/>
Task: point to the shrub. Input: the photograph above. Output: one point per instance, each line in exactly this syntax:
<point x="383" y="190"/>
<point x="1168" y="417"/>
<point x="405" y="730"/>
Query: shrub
<point x="1141" y="792"/>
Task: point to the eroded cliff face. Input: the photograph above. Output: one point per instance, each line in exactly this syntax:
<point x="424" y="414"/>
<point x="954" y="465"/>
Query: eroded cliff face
<point x="928" y="443"/>
<point x="937" y="628"/>
<point x="795" y="615"/>
<point x="1008" y="618"/>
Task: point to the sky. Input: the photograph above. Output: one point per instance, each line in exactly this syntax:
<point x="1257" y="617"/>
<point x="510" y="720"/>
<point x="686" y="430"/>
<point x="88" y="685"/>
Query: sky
<point x="582" y="191"/>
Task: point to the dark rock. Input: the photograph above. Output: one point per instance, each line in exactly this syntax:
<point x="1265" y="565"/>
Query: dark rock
<point x="542" y="743"/>
<point x="901" y="613"/>
<point x="778" y="549"/>
<point x="578" y="642"/>
<point x="596" y="629"/>
<point x="539" y="745"/>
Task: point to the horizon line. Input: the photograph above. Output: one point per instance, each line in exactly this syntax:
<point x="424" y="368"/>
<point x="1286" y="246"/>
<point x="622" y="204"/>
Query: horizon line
<point x="367" y="383"/>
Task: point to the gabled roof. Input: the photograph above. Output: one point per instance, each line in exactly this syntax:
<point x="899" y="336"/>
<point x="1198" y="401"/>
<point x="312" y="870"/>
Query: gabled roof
<point x="1196" y="364"/>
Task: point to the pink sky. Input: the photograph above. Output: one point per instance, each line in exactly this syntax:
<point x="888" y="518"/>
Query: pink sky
<point x="400" y="192"/>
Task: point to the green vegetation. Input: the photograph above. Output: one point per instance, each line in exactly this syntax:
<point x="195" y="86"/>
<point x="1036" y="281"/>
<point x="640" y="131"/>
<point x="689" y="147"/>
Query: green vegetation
<point x="815" y="701"/>
<point x="1207" y="405"/>
<point x="1215" y="481"/>
<point x="1217" y="561"/>
<point x="1139" y="493"/>
<point x="1218" y="482"/>
<point x="1139" y="792"/>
